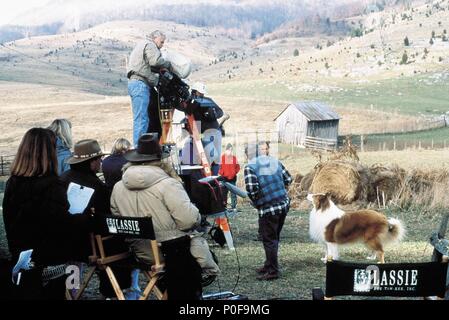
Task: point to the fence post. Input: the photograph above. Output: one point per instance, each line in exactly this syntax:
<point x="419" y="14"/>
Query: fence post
<point x="432" y="144"/>
<point x="419" y="145"/>
<point x="394" y="143"/>
<point x="362" y="145"/>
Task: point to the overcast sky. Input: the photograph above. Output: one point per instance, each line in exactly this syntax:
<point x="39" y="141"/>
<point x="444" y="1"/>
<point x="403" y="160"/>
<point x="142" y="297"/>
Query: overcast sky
<point x="9" y="9"/>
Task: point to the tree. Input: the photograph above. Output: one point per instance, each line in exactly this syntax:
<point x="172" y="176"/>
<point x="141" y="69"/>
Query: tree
<point x="357" y="32"/>
<point x="431" y="41"/>
<point x="406" y="42"/>
<point x="433" y="34"/>
<point x="404" y="58"/>
<point x="296" y="53"/>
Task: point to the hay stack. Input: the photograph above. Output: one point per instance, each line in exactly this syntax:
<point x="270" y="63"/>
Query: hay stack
<point x="340" y="178"/>
<point x="386" y="181"/>
<point x="306" y="181"/>
<point x="294" y="191"/>
<point x="424" y="188"/>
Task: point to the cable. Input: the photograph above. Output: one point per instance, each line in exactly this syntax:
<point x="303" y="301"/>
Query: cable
<point x="237" y="257"/>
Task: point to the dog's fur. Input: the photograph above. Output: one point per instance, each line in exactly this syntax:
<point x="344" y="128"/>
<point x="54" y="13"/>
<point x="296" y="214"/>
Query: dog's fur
<point x="332" y="226"/>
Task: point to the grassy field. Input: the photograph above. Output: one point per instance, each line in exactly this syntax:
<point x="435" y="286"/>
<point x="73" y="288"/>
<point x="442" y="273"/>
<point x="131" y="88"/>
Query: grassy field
<point x="426" y="94"/>
<point x="438" y="137"/>
<point x="299" y="258"/>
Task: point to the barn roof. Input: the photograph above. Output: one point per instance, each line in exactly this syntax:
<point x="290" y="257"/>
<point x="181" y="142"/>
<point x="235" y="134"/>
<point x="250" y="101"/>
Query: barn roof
<point x="314" y="111"/>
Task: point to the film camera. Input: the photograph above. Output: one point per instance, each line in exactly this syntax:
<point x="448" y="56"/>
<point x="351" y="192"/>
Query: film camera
<point x="172" y="91"/>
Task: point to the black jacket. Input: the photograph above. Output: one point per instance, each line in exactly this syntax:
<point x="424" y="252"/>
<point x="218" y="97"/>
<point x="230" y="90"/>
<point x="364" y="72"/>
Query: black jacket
<point x="208" y="112"/>
<point x="112" y="169"/>
<point x="101" y="199"/>
<point x="35" y="213"/>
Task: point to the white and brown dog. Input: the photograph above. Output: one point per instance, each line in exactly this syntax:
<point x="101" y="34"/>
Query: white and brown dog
<point x="332" y="226"/>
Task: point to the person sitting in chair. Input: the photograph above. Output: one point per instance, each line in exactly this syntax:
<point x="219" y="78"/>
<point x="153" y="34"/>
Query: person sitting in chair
<point x="85" y="163"/>
<point x="150" y="187"/>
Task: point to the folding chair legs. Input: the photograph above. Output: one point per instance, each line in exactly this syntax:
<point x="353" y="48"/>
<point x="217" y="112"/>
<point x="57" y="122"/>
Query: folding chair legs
<point x="115" y="285"/>
<point x="152" y="287"/>
<point x="83" y="287"/>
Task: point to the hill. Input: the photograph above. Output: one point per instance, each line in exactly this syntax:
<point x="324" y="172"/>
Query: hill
<point x="94" y="60"/>
<point x="365" y="71"/>
<point x="362" y="76"/>
<point x="249" y="18"/>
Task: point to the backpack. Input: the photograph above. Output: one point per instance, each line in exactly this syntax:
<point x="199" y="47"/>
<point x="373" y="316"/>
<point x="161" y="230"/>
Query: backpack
<point x="209" y="197"/>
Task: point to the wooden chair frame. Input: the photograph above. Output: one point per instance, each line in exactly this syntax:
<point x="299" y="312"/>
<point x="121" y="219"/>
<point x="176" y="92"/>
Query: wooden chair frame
<point x="99" y="260"/>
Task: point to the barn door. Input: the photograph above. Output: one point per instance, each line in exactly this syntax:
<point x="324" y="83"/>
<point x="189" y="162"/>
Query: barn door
<point x="290" y="134"/>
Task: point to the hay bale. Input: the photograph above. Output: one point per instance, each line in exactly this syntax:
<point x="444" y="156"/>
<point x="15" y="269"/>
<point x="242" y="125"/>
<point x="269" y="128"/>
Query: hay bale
<point x="297" y="178"/>
<point x="341" y="179"/>
<point x="295" y="193"/>
<point x="306" y="181"/>
<point x="386" y="181"/>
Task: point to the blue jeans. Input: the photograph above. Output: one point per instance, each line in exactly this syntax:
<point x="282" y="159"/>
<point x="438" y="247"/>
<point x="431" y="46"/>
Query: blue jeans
<point x="233" y="195"/>
<point x="140" y="100"/>
<point x="212" y="147"/>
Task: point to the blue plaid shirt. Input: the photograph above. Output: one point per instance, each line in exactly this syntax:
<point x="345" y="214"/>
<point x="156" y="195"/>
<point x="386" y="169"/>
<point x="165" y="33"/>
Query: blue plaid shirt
<point x="253" y="188"/>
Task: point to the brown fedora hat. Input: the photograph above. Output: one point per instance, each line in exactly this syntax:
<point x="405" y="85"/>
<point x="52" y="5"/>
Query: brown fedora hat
<point x="85" y="150"/>
<point x="148" y="149"/>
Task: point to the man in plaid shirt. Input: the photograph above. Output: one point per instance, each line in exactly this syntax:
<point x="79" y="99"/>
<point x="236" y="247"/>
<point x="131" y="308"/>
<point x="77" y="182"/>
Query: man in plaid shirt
<point x="266" y="181"/>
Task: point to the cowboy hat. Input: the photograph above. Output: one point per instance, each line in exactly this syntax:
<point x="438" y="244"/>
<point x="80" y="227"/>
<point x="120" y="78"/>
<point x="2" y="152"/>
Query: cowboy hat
<point x="148" y="149"/>
<point x="85" y="150"/>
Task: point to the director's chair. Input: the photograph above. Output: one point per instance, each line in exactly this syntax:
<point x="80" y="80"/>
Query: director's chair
<point x="383" y="280"/>
<point x="109" y="227"/>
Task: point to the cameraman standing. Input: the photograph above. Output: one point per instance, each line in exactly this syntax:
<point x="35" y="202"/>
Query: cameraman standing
<point x="208" y="113"/>
<point x="144" y="61"/>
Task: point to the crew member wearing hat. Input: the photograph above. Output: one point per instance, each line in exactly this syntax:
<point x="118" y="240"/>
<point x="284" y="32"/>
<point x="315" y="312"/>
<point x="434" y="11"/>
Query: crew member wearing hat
<point x="208" y="113"/>
<point x="150" y="187"/>
<point x="85" y="163"/>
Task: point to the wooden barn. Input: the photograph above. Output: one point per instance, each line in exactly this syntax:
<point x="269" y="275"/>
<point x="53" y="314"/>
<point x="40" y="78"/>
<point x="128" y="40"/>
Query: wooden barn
<point x="308" y="124"/>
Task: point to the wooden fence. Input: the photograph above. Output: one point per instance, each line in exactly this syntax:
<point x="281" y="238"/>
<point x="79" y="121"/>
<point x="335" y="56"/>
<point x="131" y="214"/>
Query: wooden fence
<point x="320" y="143"/>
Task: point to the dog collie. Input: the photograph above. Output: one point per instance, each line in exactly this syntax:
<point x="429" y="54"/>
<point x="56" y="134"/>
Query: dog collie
<point x="332" y="226"/>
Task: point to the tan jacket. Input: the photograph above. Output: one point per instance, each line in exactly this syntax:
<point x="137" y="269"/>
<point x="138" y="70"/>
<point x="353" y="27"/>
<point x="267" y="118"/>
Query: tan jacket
<point x="144" y="56"/>
<point x="147" y="190"/>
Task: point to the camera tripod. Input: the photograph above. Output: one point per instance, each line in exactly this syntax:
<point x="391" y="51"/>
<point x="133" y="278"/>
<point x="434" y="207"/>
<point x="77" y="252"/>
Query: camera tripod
<point x="166" y="116"/>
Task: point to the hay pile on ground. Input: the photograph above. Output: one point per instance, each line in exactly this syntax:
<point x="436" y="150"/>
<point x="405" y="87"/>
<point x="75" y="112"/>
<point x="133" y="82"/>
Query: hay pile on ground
<point x="425" y="188"/>
<point x="353" y="183"/>
<point x="340" y="178"/>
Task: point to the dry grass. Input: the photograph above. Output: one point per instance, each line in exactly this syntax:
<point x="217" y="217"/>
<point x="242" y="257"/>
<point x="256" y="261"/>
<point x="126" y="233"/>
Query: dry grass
<point x="341" y="179"/>
<point x="92" y="116"/>
<point x="358" y="184"/>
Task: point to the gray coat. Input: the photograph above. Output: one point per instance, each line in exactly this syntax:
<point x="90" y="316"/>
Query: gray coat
<point x="144" y="56"/>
